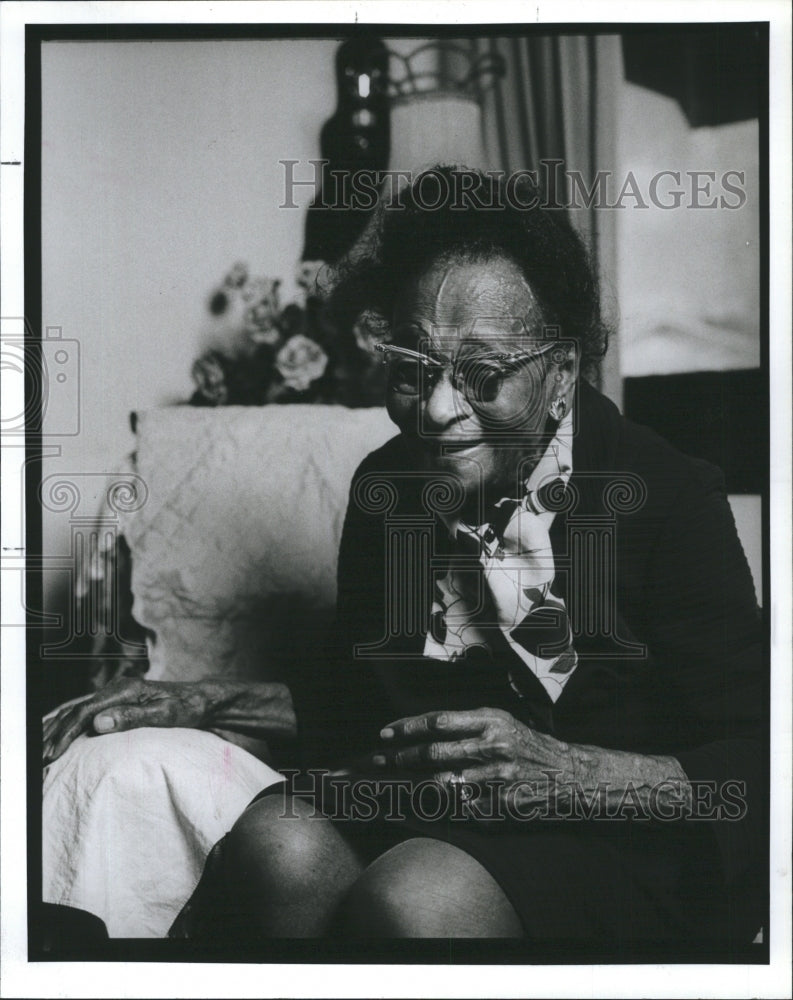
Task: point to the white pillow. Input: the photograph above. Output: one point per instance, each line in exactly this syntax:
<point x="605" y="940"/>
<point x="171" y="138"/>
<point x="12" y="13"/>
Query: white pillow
<point x="234" y="551"/>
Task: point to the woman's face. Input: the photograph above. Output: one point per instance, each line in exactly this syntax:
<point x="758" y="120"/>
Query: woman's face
<point x="487" y="438"/>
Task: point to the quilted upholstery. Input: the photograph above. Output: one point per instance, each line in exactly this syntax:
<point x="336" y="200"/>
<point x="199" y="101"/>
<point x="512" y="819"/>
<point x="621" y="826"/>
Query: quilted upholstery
<point x="234" y="551"/>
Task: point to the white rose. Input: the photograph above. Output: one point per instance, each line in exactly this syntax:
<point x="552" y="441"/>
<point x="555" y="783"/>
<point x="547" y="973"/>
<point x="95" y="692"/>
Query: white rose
<point x="300" y="362"/>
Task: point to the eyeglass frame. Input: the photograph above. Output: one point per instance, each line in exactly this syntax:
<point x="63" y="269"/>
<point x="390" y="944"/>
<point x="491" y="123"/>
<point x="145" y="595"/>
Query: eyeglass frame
<point x="429" y="362"/>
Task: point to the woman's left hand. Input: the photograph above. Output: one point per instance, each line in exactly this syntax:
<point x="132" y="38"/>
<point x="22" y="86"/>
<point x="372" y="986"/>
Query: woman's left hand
<point x="484" y="745"/>
<point x="501" y="762"/>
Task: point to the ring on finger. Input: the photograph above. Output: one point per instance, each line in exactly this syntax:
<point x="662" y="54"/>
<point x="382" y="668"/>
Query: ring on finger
<point x="457" y="780"/>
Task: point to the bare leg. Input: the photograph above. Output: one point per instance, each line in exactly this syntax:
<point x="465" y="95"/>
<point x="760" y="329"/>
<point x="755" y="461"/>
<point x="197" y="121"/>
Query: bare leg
<point x="428" y="888"/>
<point x="296" y="870"/>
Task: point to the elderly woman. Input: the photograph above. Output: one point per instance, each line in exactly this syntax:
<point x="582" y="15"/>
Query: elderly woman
<point x="542" y="715"/>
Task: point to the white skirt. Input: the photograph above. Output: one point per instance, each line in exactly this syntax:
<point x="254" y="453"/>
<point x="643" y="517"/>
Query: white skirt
<point x="129" y="819"/>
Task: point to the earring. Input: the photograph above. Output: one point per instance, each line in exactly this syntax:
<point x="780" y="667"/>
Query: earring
<point x="558" y="408"/>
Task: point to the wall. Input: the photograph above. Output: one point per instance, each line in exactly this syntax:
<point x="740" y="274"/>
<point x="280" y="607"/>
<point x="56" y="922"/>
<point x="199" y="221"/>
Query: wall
<point x="687" y="279"/>
<point x="159" y="170"/>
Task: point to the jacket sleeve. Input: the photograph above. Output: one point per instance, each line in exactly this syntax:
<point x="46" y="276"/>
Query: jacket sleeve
<point x="706" y="636"/>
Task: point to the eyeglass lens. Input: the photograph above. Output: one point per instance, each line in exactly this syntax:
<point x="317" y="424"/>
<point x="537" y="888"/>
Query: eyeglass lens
<point x="480" y="379"/>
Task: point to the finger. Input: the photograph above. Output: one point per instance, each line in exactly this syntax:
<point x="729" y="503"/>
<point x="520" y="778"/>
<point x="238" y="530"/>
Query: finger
<point x="123" y="691"/>
<point x="55" y="719"/>
<point x="432" y="724"/>
<point x="490" y="772"/>
<point x="86" y="708"/>
<point x="69" y="726"/>
<point x="51" y="725"/>
<point x="59" y="709"/>
<point x="439" y="754"/>
<point x="48" y="731"/>
<point x="78" y="719"/>
<point x="124" y="717"/>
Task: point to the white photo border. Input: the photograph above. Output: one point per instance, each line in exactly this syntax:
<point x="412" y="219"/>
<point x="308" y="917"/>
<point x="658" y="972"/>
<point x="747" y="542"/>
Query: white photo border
<point x="23" y="978"/>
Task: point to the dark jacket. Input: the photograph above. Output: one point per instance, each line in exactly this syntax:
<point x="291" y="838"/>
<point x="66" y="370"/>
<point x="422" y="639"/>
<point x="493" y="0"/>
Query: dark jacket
<point x="666" y="625"/>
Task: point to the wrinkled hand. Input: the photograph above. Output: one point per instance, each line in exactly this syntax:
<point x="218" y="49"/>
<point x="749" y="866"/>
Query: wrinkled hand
<point x="487" y="746"/>
<point x="126" y="704"/>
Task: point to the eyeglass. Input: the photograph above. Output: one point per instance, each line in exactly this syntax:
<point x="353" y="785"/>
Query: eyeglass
<point x="479" y="377"/>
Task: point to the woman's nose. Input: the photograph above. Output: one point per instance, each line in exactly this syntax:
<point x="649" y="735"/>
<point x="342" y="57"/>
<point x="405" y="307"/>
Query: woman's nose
<point x="443" y="404"/>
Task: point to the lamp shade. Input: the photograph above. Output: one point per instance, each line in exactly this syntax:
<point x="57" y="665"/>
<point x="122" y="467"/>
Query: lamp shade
<point x="436" y="127"/>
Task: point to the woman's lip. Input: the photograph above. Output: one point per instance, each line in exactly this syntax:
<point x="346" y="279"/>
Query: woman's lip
<point x="454" y="447"/>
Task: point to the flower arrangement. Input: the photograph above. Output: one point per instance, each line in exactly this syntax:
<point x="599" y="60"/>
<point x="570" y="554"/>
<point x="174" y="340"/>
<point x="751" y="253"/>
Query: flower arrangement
<point x="289" y="354"/>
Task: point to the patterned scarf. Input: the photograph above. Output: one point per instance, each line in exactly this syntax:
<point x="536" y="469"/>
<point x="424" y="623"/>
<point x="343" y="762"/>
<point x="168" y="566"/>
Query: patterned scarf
<point x="516" y="565"/>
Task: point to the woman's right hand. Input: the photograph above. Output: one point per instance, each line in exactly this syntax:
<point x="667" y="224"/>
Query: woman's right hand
<point x="127" y="703"/>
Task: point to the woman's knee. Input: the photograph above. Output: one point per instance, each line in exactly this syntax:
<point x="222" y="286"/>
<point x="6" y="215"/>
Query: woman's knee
<point x="282" y="847"/>
<point x="428" y="888"/>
